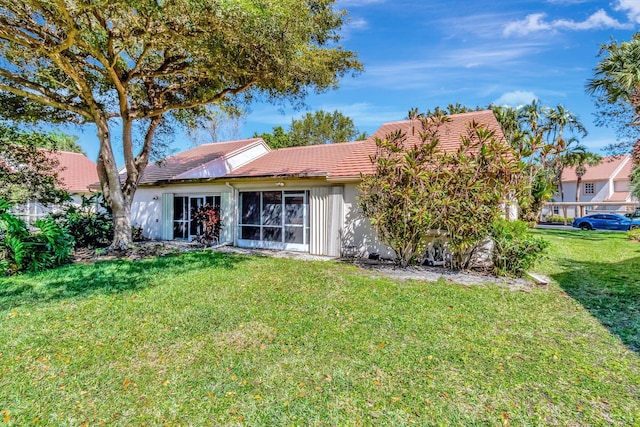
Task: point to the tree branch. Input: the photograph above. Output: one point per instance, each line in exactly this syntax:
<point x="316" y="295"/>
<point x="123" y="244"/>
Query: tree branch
<point x="43" y="99"/>
<point x="186" y="106"/>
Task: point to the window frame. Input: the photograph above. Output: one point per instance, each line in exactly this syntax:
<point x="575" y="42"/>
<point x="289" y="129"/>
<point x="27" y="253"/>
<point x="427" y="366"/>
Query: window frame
<point x="589" y="188"/>
<point x="265" y="230"/>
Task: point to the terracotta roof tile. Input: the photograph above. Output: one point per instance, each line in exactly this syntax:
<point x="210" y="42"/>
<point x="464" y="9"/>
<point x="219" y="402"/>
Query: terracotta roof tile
<point x="359" y="161"/>
<point x="619" y="196"/>
<point x="77" y="171"/>
<point x="175" y="165"/>
<point x="601" y="172"/>
<point x="312" y="160"/>
<point x="625" y="172"/>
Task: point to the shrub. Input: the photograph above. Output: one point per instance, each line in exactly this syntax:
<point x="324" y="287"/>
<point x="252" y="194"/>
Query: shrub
<point x="90" y="224"/>
<point x="23" y="250"/>
<point x="559" y="219"/>
<point x="516" y="249"/>
<point x="208" y="218"/>
<point x="424" y="186"/>
<point x="634" y="234"/>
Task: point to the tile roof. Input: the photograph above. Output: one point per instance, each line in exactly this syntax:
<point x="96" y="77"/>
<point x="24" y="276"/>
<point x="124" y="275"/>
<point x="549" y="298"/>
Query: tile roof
<point x="619" y="196"/>
<point x="625" y="172"/>
<point x="601" y="172"/>
<point x="307" y="161"/>
<point x="175" y="165"/>
<point x="77" y="172"/>
<point x="359" y="161"/>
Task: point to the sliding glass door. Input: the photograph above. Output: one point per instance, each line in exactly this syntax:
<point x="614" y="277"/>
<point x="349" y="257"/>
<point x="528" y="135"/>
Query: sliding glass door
<point x="274" y="219"/>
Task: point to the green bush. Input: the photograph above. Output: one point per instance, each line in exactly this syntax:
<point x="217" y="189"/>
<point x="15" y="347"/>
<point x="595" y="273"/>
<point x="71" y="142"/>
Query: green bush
<point x="559" y="218"/>
<point x="516" y="249"/>
<point x="23" y="250"/>
<point x="90" y="224"/>
<point x="634" y="234"/>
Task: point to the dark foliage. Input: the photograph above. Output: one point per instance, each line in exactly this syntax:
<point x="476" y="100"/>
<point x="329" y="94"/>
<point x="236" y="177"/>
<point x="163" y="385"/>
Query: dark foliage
<point x="208" y="219"/>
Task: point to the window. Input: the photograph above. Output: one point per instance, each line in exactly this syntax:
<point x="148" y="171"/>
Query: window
<point x="556" y="210"/>
<point x="589" y="188"/>
<point x="274" y="217"/>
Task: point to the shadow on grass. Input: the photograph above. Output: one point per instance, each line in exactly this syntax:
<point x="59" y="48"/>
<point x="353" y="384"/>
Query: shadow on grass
<point x="611" y="293"/>
<point x="106" y="277"/>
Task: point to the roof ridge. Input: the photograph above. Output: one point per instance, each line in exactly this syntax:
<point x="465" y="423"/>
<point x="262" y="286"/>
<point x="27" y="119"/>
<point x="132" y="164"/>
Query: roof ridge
<point x="468" y="113"/>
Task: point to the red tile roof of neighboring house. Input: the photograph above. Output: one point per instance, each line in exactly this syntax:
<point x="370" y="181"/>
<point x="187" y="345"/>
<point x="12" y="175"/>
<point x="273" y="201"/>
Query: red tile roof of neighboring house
<point x="619" y="196"/>
<point x="359" y="161"/>
<point x="175" y="165"/>
<point x="601" y="172"/>
<point x="307" y="161"/>
<point x="77" y="172"/>
<point x="625" y="172"/>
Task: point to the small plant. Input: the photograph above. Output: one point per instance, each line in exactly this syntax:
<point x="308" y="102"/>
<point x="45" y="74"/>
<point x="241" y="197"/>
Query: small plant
<point x="137" y="233"/>
<point x="515" y="248"/>
<point x="208" y="219"/>
<point x="634" y="234"/>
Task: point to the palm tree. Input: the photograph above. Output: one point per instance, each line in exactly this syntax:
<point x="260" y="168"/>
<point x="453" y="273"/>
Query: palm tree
<point x="617" y="82"/>
<point x="581" y="158"/>
<point x="617" y="76"/>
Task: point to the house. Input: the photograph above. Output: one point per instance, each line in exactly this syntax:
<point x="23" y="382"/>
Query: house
<point x="76" y="172"/>
<point x="298" y="198"/>
<point x="607" y="182"/>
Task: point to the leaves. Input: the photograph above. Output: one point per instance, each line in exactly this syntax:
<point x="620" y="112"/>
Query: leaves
<point x="417" y="190"/>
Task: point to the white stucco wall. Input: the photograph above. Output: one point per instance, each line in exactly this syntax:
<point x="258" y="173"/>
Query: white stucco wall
<point x="358" y="234"/>
<point x="146" y="209"/>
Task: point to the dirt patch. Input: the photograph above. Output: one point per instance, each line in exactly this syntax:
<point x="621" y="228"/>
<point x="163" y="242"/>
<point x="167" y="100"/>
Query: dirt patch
<point x="432" y="274"/>
<point x="141" y="250"/>
<point x="375" y="268"/>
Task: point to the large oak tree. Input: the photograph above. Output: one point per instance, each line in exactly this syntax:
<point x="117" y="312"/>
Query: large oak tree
<point x="143" y="64"/>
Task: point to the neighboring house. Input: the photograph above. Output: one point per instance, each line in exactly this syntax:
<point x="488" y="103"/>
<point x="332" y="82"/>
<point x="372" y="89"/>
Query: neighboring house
<point x="76" y="172"/>
<point x="298" y="198"/>
<point x="607" y="182"/>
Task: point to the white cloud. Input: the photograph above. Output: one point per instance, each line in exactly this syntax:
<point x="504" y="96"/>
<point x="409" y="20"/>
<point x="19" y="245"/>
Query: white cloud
<point x="357" y="24"/>
<point x="630" y="7"/>
<point x="532" y="23"/>
<point x="535" y="23"/>
<point x="516" y="98"/>
<point x="600" y="19"/>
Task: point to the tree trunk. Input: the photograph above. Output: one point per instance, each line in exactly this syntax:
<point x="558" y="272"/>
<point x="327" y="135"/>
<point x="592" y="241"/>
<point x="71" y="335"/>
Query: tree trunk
<point x="578" y="213"/>
<point x="122" y="238"/>
<point x="118" y="201"/>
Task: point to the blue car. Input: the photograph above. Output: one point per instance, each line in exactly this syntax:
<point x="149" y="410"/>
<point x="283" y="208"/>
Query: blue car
<point x="602" y="221"/>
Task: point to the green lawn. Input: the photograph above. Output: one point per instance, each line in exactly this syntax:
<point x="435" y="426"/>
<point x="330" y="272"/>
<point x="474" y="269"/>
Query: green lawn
<point x="219" y="339"/>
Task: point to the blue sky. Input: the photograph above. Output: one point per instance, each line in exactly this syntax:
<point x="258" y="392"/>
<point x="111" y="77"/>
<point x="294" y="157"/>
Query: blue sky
<point x="434" y="53"/>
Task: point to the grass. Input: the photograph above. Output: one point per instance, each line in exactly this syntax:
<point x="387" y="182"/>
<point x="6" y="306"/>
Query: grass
<point x="600" y="270"/>
<point x="219" y="339"/>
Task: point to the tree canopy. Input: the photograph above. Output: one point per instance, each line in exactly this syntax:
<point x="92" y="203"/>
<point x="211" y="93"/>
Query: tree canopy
<point x="26" y="171"/>
<point x="142" y="65"/>
<point x="316" y="128"/>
